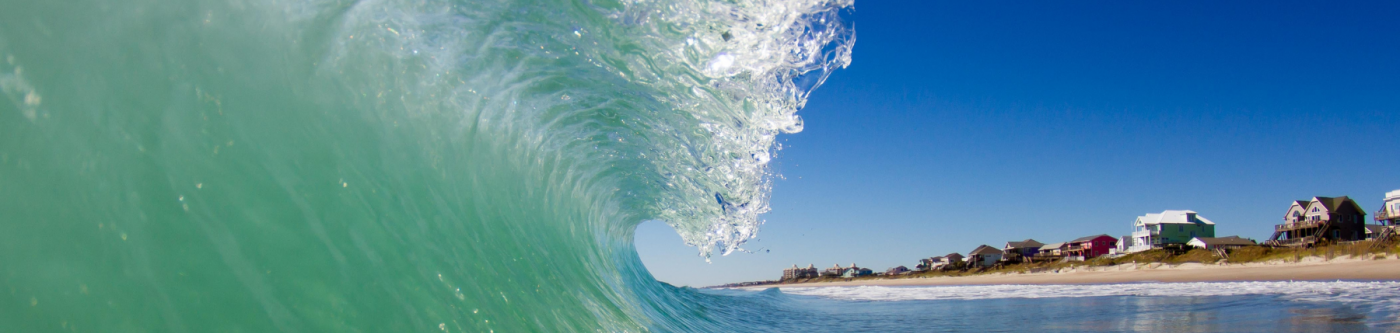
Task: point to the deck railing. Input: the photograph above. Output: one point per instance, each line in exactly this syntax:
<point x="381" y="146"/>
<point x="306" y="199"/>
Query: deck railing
<point x="1292" y="242"/>
<point x="1384" y="214"/>
<point x="1301" y="224"/>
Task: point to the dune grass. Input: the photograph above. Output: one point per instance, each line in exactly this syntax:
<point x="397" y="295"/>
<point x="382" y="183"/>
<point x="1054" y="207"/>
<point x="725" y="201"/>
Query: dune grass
<point x="1361" y="250"/>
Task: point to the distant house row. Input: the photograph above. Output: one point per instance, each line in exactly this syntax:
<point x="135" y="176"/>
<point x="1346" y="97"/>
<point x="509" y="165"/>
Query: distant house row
<point x="1307" y="222"/>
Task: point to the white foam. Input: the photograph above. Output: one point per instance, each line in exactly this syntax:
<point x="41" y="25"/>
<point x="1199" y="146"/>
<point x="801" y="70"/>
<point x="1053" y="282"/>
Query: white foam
<point x="1381" y="294"/>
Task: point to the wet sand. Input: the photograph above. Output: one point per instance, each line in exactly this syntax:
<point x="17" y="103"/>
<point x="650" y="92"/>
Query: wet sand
<point x="1307" y="269"/>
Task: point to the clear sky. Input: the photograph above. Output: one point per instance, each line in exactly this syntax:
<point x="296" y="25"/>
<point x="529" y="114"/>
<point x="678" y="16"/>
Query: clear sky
<point x="965" y="123"/>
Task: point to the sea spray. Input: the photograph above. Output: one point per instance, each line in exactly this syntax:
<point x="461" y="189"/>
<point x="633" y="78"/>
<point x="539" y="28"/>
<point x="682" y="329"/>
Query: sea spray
<point x="387" y="165"/>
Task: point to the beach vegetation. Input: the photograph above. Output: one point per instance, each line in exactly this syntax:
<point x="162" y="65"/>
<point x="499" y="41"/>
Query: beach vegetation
<point x="1248" y="254"/>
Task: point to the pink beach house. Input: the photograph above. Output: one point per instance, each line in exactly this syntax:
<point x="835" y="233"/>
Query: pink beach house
<point x="1092" y="246"/>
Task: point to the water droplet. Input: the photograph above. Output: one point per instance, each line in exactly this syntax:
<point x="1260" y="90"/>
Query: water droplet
<point x="721" y="62"/>
<point x="32" y="98"/>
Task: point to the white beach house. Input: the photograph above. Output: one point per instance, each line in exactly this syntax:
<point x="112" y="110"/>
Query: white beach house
<point x="1390" y="211"/>
<point x="1169" y="227"/>
<point x="1211" y="243"/>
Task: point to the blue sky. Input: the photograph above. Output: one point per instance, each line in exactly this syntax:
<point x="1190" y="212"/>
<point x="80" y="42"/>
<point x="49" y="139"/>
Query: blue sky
<point x="968" y="123"/>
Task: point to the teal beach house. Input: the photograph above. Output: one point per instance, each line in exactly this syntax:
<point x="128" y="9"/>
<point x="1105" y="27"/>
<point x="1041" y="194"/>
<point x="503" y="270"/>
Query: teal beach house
<point x="1169" y="227"/>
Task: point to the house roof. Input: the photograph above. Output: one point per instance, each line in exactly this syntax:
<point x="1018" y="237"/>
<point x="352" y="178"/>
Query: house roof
<point x="1231" y="240"/>
<point x="1028" y="243"/>
<point x="1089" y="238"/>
<point x="1175" y="216"/>
<point x="983" y="249"/>
<point x="1392" y="195"/>
<point x="1052" y="246"/>
<point x="1335" y="203"/>
<point x="954" y="254"/>
<point x="1372" y="228"/>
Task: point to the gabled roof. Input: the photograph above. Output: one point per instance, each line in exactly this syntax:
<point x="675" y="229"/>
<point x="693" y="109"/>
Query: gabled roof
<point x="1052" y="246"/>
<point x="1175" y="216"/>
<point x="983" y="249"/>
<point x="1372" y="228"/>
<point x="954" y="254"/>
<point x="1232" y="240"/>
<point x="1302" y="204"/>
<point x="1028" y="243"/>
<point x="1334" y="203"/>
<point x="1089" y="238"/>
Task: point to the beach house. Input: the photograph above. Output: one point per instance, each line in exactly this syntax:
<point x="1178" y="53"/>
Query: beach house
<point x="855" y="271"/>
<point x="952" y="258"/>
<point x="1320" y="219"/>
<point x="1390" y="210"/>
<point x="937" y="263"/>
<point x="1124" y="243"/>
<point x="1090" y="247"/>
<point x="983" y="256"/>
<point x="1015" y="252"/>
<point x="897" y="270"/>
<point x="1154" y="230"/>
<point x="1052" y="251"/>
<point x="928" y="263"/>
<point x="1212" y="243"/>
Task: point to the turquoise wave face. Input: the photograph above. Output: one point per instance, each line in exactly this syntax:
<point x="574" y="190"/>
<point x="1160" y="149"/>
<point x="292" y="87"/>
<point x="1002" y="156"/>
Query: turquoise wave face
<point x="324" y="165"/>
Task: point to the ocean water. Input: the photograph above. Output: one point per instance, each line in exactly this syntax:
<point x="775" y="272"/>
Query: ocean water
<point x="1302" y="306"/>
<point x="387" y="165"/>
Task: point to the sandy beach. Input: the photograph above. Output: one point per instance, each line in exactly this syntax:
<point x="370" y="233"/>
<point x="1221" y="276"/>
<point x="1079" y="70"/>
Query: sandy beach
<point x="1314" y="268"/>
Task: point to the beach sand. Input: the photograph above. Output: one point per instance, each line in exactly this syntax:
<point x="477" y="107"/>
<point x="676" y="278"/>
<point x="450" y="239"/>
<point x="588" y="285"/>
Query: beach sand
<point x="1313" y="268"/>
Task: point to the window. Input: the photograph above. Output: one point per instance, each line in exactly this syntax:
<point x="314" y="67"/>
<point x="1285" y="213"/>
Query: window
<point x="1180" y="228"/>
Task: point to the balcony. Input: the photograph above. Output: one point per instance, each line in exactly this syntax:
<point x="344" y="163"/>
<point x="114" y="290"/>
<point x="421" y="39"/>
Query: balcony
<point x="1384" y="215"/>
<point x="1297" y="224"/>
<point x="1146" y="233"/>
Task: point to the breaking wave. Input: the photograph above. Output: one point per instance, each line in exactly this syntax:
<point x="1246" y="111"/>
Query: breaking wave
<point x="387" y="165"/>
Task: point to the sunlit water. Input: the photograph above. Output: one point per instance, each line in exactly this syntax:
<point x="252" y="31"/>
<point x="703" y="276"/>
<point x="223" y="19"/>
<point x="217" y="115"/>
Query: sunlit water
<point x="1339" y="306"/>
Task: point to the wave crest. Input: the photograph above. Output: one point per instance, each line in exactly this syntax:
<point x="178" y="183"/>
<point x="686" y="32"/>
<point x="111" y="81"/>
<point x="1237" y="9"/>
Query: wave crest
<point x="674" y="105"/>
